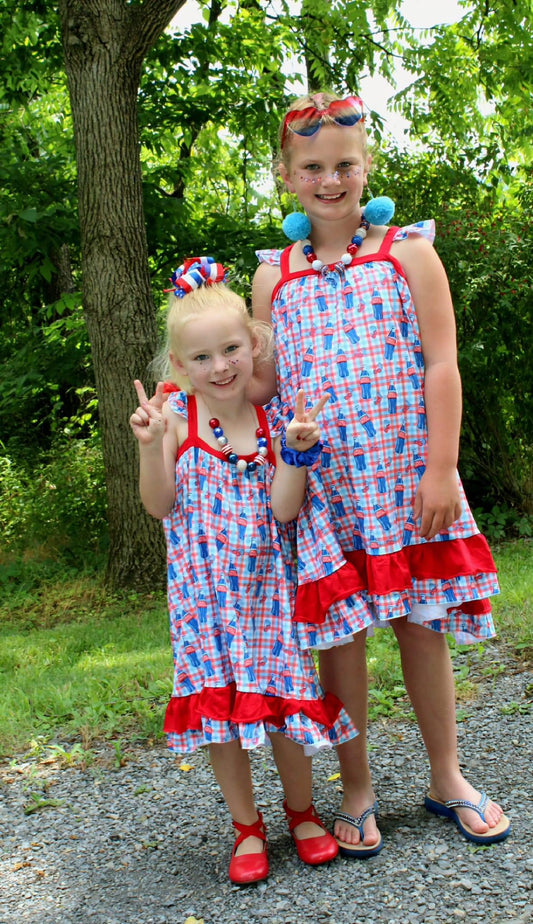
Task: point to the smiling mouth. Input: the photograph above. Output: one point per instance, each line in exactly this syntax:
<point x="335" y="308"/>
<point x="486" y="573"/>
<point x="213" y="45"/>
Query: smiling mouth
<point x="227" y="381"/>
<point x="331" y="198"/>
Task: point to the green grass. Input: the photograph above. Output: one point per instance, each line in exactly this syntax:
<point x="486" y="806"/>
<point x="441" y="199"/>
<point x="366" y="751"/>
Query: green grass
<point x="513" y="609"/>
<point x="79" y="665"/>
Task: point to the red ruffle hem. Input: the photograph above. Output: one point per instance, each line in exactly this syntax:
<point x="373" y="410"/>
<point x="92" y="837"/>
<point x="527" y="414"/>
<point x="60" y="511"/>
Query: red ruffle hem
<point x="383" y="574"/>
<point x="227" y="704"/>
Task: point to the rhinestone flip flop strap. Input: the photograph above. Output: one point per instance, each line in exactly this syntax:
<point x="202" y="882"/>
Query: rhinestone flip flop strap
<point x="359" y="820"/>
<point x="464" y="803"/>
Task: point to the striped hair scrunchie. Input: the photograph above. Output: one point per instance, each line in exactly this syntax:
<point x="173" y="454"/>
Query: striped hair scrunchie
<point x="196" y="272"/>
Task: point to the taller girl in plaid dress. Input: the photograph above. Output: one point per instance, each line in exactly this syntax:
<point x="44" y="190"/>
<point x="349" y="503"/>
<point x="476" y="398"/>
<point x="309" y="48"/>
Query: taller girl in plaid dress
<point x="211" y="468"/>
<point x="385" y="535"/>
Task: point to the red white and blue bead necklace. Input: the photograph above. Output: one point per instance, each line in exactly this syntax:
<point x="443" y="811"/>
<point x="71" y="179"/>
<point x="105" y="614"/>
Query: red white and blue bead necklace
<point x="297" y="227"/>
<point x="346" y="258"/>
<point x="238" y="461"/>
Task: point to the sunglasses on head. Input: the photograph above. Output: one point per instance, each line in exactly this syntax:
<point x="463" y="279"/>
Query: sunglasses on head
<point x="307" y="121"/>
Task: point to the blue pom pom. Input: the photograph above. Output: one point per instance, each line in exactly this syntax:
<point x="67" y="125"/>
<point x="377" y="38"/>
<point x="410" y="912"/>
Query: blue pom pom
<point x="379" y="211"/>
<point x="296" y="226"/>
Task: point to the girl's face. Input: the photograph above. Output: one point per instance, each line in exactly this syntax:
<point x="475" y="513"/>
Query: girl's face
<point x="327" y="171"/>
<point x="216" y="354"/>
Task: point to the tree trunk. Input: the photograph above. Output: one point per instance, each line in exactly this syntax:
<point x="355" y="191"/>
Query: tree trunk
<point x="104" y="44"/>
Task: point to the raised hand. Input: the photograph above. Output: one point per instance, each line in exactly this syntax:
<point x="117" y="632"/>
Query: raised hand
<point x="147" y="422"/>
<point x="303" y="430"/>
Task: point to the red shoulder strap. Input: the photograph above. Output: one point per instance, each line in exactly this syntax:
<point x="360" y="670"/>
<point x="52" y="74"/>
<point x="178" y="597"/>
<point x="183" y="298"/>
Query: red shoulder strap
<point x="384" y="250"/>
<point x="192" y="425"/>
<point x="284" y="261"/>
<point x="192" y="416"/>
<point x="263" y="422"/>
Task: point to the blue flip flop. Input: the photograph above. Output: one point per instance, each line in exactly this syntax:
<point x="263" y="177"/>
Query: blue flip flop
<point x="447" y="810"/>
<point x="358" y="851"/>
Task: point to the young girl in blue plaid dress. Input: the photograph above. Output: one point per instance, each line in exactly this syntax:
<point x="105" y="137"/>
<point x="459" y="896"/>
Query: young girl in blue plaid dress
<point x="217" y="475"/>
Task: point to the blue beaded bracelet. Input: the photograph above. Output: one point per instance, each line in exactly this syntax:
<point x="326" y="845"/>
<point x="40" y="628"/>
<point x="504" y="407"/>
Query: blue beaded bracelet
<point x="299" y="459"/>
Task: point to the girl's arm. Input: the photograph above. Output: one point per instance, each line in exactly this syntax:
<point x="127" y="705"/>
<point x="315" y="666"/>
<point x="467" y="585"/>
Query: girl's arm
<point x="437" y="501"/>
<point x="154" y="425"/>
<point x="264" y="383"/>
<point x="289" y="482"/>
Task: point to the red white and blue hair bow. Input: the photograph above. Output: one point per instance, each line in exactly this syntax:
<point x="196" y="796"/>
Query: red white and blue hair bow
<point x="196" y="272"/>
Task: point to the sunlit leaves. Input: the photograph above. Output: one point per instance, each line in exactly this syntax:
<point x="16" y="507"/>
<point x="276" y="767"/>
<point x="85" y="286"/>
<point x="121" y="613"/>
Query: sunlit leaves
<point x="473" y="81"/>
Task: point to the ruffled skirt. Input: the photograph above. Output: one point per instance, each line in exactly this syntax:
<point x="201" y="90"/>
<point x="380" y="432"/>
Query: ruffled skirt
<point x="220" y="715"/>
<point x="444" y="586"/>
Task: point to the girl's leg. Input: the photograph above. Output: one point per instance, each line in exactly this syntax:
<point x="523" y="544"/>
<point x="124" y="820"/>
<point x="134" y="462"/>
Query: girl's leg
<point x="428" y="675"/>
<point x="313" y="843"/>
<point x="343" y="672"/>
<point x="231" y="766"/>
<point x="295" y="771"/>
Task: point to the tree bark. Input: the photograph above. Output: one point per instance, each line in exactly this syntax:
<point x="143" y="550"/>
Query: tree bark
<point x="104" y="44"/>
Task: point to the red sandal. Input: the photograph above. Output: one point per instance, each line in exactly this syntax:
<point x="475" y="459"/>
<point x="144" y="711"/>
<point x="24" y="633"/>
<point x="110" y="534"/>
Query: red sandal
<point x="312" y="850"/>
<point x="249" y="867"/>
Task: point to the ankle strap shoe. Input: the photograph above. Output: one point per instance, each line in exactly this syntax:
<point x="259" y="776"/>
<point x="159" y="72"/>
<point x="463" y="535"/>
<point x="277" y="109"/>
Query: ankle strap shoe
<point x="249" y="867"/>
<point x="312" y="850"/>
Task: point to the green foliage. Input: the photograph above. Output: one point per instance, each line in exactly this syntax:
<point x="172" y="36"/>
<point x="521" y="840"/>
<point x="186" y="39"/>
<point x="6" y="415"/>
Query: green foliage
<point x="512" y="608"/>
<point x="37" y="802"/>
<point x="486" y="246"/>
<point x="500" y="522"/>
<point x="491" y="284"/>
<point x="40" y="364"/>
<point x="472" y="84"/>
<point x="103" y="669"/>
<point x="46" y="377"/>
<point x="209" y="105"/>
<point x="54" y="502"/>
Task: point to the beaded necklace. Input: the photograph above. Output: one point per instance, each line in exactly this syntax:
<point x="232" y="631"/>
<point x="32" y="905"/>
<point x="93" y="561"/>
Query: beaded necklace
<point x="346" y="258"/>
<point x="239" y="462"/>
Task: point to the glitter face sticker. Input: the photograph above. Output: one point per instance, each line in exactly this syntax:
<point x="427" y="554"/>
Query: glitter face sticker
<point x="344" y="173"/>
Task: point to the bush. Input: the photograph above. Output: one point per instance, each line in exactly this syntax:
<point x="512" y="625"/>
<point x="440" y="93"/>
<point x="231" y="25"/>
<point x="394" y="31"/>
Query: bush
<point x="484" y="239"/>
<point x="55" y="504"/>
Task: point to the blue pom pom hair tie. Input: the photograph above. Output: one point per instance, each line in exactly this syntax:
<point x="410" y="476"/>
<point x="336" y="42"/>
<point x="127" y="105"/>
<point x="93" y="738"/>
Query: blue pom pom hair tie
<point x="296" y="226"/>
<point x="379" y="210"/>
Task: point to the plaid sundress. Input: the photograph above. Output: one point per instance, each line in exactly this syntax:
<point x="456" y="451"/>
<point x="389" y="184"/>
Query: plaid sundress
<point x="353" y="332"/>
<point x="239" y="672"/>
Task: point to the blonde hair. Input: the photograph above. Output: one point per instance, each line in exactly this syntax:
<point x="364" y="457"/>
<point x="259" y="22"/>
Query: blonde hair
<point x="193" y="305"/>
<point x="320" y="100"/>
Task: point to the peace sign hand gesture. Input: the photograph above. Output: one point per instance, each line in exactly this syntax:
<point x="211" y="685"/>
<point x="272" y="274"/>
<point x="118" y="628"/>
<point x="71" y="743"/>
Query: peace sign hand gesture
<point x="147" y="422"/>
<point x="303" y="430"/>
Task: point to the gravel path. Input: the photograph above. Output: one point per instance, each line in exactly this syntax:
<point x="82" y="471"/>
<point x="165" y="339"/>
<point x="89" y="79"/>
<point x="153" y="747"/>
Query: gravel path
<point x="130" y="845"/>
